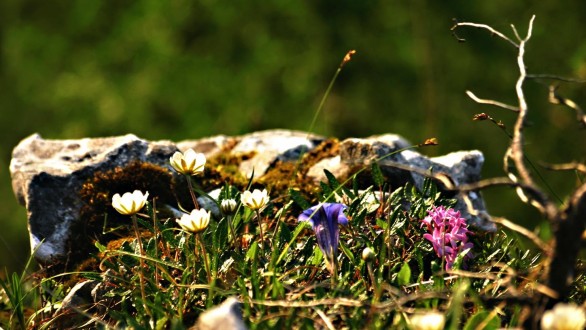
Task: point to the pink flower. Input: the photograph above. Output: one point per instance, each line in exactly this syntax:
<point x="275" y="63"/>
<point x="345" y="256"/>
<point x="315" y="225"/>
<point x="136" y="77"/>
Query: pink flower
<point x="448" y="234"/>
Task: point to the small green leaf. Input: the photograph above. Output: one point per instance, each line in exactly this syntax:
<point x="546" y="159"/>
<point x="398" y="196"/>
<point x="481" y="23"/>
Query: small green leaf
<point x="334" y="183"/>
<point x="460" y="259"/>
<point x="251" y="253"/>
<point x="298" y="199"/>
<point x="328" y="193"/>
<point x="100" y="247"/>
<point x="377" y="174"/>
<point x="347" y="252"/>
<point x="317" y="257"/>
<point x="382" y="223"/>
<point x="404" y="275"/>
<point x="483" y="320"/>
<point x="302" y="225"/>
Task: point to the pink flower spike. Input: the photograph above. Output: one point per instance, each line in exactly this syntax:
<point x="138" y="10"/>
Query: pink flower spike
<point x="448" y="234"/>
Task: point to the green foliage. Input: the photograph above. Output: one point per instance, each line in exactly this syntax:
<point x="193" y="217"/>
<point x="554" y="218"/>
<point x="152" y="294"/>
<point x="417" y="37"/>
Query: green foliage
<point x="278" y="280"/>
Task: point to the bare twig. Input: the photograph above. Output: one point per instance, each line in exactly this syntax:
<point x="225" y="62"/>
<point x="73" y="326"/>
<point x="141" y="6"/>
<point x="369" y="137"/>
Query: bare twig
<point x="569" y="223"/>
<point x="312" y="303"/>
<point x="517" y="144"/>
<point x="486" y="27"/>
<point x="555" y="98"/>
<point x="573" y="166"/>
<point x="325" y="318"/>
<point x="525" y="232"/>
<point x="517" y="33"/>
<point x="515" y="151"/>
<point x="555" y="77"/>
<point x="491" y="102"/>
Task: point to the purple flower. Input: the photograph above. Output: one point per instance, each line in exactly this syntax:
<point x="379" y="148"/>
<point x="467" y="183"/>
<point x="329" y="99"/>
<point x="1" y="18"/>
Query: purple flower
<point x="325" y="218"/>
<point x="448" y="233"/>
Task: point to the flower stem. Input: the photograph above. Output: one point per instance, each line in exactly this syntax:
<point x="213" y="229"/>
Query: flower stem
<point x="204" y="255"/>
<point x="231" y="225"/>
<point x="142" y="266"/>
<point x="328" y="90"/>
<point x="191" y="192"/>
<point x="260" y="225"/>
<point x="443" y="243"/>
<point x="156" y="229"/>
<point x="334" y="269"/>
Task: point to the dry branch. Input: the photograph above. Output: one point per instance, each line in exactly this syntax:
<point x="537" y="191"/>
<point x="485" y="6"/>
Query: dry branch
<point x="491" y="102"/>
<point x="555" y="98"/>
<point x="569" y="223"/>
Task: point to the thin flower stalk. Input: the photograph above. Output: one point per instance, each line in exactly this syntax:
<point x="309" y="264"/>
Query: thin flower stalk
<point x="196" y="222"/>
<point x="228" y="207"/>
<point x="203" y="253"/>
<point x="156" y="229"/>
<point x="131" y="204"/>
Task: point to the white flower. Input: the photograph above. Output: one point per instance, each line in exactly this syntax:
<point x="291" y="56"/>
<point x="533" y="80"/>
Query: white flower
<point x="255" y="200"/>
<point x="228" y="206"/>
<point x="129" y="203"/>
<point x="190" y="162"/>
<point x="564" y="317"/>
<point x="428" y="321"/>
<point x="195" y="222"/>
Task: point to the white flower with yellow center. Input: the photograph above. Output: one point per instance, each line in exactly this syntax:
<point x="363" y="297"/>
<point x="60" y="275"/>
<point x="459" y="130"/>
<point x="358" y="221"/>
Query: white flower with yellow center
<point x="129" y="203"/>
<point x="190" y="162"/>
<point x="255" y="200"/>
<point x="564" y="317"/>
<point x="195" y="222"/>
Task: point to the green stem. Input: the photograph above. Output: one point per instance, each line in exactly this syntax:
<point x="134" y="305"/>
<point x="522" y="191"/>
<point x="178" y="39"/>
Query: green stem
<point x="231" y="225"/>
<point x="334" y="266"/>
<point x="320" y="107"/>
<point x="142" y="266"/>
<point x="260" y="226"/>
<point x="191" y="192"/>
<point x="324" y="98"/>
<point x="205" y="257"/>
<point x="155" y="228"/>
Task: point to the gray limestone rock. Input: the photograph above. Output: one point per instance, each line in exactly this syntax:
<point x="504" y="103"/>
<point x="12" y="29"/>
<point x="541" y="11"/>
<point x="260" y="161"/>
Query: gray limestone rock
<point x="402" y="165"/>
<point x="271" y="146"/>
<point x="226" y="316"/>
<point x="48" y="174"/>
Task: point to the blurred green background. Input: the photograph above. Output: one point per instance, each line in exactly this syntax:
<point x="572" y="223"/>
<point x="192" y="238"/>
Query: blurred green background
<point x="182" y="69"/>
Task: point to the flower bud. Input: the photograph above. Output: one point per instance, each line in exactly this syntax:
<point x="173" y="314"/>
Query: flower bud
<point x="368" y="254"/>
<point x="228" y="206"/>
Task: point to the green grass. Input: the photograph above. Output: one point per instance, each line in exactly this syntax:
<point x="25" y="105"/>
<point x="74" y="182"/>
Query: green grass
<point x="284" y="283"/>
